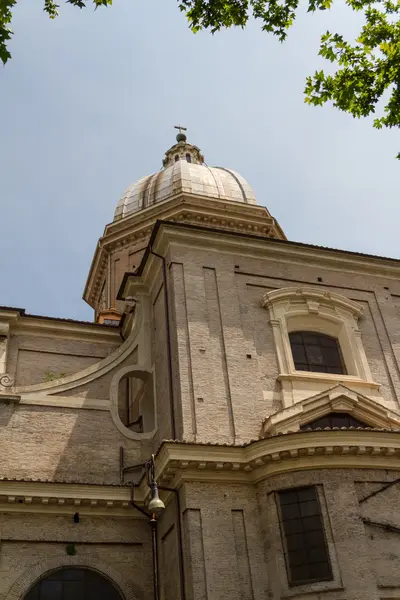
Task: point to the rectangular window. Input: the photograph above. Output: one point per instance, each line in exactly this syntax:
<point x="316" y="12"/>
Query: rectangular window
<point x="306" y="551"/>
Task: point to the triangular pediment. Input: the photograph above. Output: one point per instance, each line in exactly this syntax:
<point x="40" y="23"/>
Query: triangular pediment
<point x="338" y="399"/>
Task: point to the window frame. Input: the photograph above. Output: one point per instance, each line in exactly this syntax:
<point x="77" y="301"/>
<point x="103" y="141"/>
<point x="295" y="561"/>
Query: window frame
<point x="284" y="536"/>
<point x="67" y="575"/>
<point x="308" y="309"/>
<point x="147" y="376"/>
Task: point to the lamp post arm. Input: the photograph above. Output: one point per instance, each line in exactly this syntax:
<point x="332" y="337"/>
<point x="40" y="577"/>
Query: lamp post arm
<point x="148" y="465"/>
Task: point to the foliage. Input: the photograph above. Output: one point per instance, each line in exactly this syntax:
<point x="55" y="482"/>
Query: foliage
<point x="50" y="376"/>
<point x="70" y="549"/>
<point x="50" y="7"/>
<point x="368" y="68"/>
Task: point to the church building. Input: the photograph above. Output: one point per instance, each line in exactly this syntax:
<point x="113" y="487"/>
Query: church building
<point x="227" y="426"/>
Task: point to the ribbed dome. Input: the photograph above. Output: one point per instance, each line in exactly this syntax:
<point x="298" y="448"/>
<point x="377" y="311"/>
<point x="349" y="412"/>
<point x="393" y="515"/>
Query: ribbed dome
<point x="184" y="172"/>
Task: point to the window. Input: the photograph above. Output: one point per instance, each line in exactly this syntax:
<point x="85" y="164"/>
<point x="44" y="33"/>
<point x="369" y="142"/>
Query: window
<point x="132" y="399"/>
<point x="305" y="547"/>
<point x="303" y="309"/>
<point x="133" y="402"/>
<point x="188" y="158"/>
<point x="335" y="419"/>
<point x="112" y="322"/>
<point x="176" y="157"/>
<point x="73" y="584"/>
<point x="316" y="352"/>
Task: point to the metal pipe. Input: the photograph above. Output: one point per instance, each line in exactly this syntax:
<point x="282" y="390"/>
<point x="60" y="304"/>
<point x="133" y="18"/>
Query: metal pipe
<point x="154" y="547"/>
<point x="168" y="329"/>
<point x="180" y="539"/>
<point x="133" y="503"/>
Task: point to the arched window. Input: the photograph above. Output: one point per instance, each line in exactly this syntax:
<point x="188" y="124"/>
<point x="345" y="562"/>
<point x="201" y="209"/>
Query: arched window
<point x="335" y="419"/>
<point x="176" y="157"/>
<point x="73" y="583"/>
<point x="188" y="158"/>
<point x="316" y="352"/>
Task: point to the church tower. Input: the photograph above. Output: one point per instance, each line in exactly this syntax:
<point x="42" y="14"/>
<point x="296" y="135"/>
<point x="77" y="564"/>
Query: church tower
<point x="227" y="428"/>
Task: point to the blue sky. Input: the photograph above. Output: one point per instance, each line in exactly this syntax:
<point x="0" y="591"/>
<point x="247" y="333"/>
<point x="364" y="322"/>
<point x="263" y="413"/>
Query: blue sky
<point x="88" y="104"/>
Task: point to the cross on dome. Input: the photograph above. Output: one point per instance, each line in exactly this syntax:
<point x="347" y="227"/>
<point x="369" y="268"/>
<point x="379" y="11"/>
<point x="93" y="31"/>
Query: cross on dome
<point x="181" y="137"/>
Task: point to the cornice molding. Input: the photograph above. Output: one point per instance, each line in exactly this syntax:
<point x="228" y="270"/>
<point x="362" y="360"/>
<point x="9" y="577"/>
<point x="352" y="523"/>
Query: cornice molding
<point x="67" y="498"/>
<point x="47" y="327"/>
<point x="282" y="250"/>
<point x="195" y="210"/>
<point x="87" y="375"/>
<point x="15" y="323"/>
<point x="313" y="297"/>
<point x="177" y="463"/>
<point x="63" y="402"/>
<point x="329" y="449"/>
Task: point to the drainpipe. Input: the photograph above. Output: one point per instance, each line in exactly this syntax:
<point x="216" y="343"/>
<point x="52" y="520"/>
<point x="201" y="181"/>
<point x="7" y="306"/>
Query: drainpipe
<point x="154" y="545"/>
<point x="169" y="353"/>
<point x="180" y="538"/>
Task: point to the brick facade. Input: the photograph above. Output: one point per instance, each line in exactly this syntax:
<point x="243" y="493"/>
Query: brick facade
<point x="60" y="439"/>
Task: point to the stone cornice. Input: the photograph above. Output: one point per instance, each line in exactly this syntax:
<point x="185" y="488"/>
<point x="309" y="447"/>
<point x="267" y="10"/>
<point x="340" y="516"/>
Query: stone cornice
<point x="253" y="246"/>
<point x="211" y="212"/>
<point x="312" y="296"/>
<point x="67" y="498"/>
<point x="83" y="332"/>
<point x="351" y="448"/>
<point x="69" y="382"/>
<point x="179" y="462"/>
<point x="22" y="324"/>
<point x="282" y="250"/>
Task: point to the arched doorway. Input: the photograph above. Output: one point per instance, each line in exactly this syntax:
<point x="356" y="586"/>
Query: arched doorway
<point x="73" y="583"/>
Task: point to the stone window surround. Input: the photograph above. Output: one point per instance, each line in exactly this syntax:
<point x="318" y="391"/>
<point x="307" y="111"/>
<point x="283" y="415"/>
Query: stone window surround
<point x="308" y="309"/>
<point x="316" y="587"/>
<point x="32" y="574"/>
<point x="144" y="374"/>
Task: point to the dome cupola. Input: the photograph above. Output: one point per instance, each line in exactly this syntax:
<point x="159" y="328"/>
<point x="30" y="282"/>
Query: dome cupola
<point x="184" y="172"/>
<point x="185" y="191"/>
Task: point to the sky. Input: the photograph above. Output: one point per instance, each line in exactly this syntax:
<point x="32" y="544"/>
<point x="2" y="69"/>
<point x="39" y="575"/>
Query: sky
<point x="88" y="104"/>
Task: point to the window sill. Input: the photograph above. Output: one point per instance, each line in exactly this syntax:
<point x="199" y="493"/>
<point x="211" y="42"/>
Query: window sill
<point x="309" y="376"/>
<point x="306" y="592"/>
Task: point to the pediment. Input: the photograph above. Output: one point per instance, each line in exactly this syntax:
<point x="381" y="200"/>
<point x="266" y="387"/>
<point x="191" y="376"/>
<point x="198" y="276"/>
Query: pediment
<point x="340" y="399"/>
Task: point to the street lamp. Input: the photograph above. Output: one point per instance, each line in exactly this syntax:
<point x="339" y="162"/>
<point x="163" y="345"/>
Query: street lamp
<point x="155" y="508"/>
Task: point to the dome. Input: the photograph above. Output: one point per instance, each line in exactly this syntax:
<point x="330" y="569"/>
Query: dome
<point x="184" y="172"/>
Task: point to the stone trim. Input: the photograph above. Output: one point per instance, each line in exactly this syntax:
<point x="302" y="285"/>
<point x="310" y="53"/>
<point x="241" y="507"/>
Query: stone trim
<point x="193" y="210"/>
<point x="34" y="573"/>
<point x="76" y="402"/>
<point x="144" y="374"/>
<point x="91" y="373"/>
<point x="350" y="448"/>
<point x="312" y="309"/>
<point x="178" y="462"/>
<point x="339" y="398"/>
<point x="67" y="498"/>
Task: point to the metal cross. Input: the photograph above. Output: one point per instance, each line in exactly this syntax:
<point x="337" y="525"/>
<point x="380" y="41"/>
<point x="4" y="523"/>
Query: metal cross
<point x="180" y="127"/>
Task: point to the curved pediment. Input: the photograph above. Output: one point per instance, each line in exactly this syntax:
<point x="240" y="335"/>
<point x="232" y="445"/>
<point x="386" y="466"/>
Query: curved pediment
<point x="338" y="399"/>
